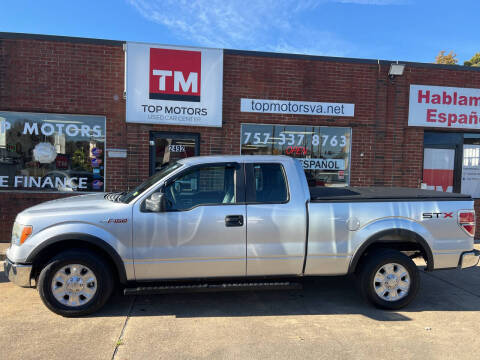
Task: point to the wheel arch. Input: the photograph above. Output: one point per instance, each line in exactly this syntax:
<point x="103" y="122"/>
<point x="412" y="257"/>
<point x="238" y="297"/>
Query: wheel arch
<point x="401" y="239"/>
<point x="49" y="248"/>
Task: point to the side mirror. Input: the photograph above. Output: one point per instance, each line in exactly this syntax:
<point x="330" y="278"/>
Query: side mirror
<point x="156" y="203"/>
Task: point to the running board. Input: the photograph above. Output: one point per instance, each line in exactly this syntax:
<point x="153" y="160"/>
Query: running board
<point x="195" y="288"/>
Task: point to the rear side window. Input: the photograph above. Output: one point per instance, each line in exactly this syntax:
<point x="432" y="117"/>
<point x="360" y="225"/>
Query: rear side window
<point x="268" y="184"/>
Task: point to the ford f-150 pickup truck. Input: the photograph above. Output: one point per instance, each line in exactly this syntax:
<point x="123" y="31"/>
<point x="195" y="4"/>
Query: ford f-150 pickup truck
<point x="232" y="223"/>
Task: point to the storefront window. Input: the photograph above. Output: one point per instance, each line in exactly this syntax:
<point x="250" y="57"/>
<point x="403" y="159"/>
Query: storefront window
<point x="324" y="152"/>
<point x="451" y="162"/>
<point x="471" y="165"/>
<point x="51" y="152"/>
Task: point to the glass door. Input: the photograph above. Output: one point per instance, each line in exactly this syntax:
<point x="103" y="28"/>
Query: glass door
<point x="438" y="168"/>
<point x="168" y="147"/>
<point x="442" y="161"/>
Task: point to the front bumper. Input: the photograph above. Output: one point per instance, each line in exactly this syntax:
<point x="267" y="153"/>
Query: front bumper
<point x="469" y="259"/>
<point x="18" y="273"/>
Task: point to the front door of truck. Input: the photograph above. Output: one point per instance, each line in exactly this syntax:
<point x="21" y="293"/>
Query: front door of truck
<point x="201" y="234"/>
<point x="276" y="221"/>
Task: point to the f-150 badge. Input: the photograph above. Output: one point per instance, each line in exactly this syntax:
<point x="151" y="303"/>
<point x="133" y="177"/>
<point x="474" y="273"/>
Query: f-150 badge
<point x="114" y="221"/>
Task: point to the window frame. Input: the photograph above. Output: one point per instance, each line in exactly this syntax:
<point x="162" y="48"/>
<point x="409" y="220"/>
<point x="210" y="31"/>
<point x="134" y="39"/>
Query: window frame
<point x="238" y="178"/>
<point x="250" y="184"/>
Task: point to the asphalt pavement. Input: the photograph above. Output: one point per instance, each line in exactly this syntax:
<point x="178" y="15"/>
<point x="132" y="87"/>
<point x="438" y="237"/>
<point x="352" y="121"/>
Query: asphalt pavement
<point x="325" y="320"/>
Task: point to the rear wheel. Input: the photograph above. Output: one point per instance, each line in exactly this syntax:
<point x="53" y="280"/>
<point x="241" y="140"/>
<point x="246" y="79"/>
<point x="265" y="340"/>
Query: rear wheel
<point x="389" y="279"/>
<point x="75" y="283"/>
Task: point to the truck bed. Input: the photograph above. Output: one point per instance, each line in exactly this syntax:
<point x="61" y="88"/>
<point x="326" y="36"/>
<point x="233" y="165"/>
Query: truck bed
<point x="365" y="194"/>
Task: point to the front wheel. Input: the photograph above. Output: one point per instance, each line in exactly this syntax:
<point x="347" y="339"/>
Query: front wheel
<point x="389" y="279"/>
<point x="75" y="283"/>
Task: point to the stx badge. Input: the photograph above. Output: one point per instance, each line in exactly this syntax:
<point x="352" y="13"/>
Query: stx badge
<point x="437" y="215"/>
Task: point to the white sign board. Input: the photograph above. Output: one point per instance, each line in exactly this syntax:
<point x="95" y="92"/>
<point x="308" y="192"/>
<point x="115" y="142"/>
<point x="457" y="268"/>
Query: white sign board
<point x="117" y="153"/>
<point x="322" y="164"/>
<point x="267" y="106"/>
<point x="174" y="85"/>
<point x="446" y="107"/>
<point x="471" y="170"/>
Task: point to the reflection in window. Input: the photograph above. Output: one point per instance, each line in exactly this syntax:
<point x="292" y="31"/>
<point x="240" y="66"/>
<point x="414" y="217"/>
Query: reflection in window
<point x="323" y="151"/>
<point x="51" y="152"/>
<point x="270" y="183"/>
<point x="210" y="185"/>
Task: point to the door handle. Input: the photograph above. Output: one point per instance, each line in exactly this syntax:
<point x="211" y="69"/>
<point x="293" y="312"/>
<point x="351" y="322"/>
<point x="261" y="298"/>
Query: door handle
<point x="233" y="220"/>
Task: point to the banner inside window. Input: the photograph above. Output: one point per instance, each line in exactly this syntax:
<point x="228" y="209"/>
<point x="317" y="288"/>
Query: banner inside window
<point x="51" y="152"/>
<point x="323" y="151"/>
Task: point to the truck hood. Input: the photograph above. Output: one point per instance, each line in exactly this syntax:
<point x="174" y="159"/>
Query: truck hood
<point x="75" y="204"/>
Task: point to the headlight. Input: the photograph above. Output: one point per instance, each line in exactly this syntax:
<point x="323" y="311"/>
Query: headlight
<point x="20" y="233"/>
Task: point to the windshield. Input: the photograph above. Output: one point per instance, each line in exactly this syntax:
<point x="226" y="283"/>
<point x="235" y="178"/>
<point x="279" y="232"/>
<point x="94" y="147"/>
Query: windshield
<point x="129" y="196"/>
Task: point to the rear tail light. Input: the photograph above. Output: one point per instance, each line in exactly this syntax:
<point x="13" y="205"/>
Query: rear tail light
<point x="466" y="220"/>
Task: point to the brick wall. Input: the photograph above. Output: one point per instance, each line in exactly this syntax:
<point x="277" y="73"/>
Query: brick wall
<point x="14" y="202"/>
<point x="83" y="76"/>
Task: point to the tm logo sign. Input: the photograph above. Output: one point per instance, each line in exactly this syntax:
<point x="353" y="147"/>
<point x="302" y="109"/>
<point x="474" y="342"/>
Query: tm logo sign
<point x="175" y="75"/>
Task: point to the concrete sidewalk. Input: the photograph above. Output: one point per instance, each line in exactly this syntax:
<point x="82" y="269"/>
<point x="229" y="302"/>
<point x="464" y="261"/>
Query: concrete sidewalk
<point x="326" y="320"/>
<point x="3" y="250"/>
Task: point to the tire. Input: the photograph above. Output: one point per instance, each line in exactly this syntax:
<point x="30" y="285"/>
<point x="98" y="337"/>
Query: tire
<point x="388" y="267"/>
<point x="75" y="283"/>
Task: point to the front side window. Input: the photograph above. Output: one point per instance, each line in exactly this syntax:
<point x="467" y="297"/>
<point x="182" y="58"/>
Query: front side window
<point x="206" y="185"/>
<point x="270" y="185"/>
<point x="166" y="170"/>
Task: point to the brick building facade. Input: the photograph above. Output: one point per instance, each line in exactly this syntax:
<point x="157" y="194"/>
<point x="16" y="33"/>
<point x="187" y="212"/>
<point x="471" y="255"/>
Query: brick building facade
<point x="61" y="75"/>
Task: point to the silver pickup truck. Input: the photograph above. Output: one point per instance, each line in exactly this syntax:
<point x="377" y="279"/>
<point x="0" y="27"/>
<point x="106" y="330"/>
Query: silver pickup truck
<point x="233" y="223"/>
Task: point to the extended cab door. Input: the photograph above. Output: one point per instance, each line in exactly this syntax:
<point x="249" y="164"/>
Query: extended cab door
<point x="276" y="219"/>
<point x="201" y="234"/>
